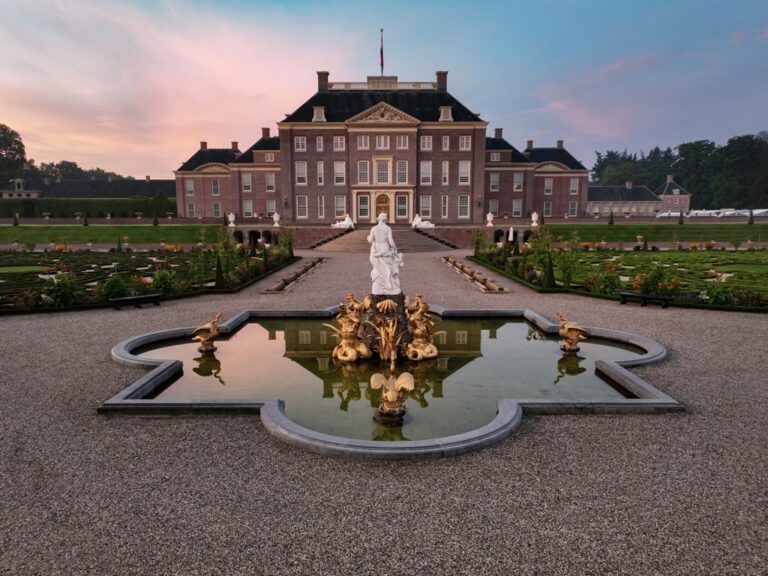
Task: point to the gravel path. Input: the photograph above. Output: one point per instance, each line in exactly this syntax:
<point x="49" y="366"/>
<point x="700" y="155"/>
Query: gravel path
<point x="595" y="494"/>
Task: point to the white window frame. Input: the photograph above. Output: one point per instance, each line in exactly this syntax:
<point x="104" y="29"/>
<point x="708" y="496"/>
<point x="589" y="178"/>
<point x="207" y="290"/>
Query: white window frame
<point x="339" y="144"/>
<point x="363" y="142"/>
<point x="401" y="141"/>
<point x="517" y="207"/>
<point x="387" y="164"/>
<point x="401" y="175"/>
<point x="573" y="208"/>
<point x="495" y="156"/>
<point x="549" y="186"/>
<point x="321" y="207"/>
<point x="573" y="186"/>
<point x="547" y="208"/>
<point x="269" y="157"/>
<point x="446" y="143"/>
<point x="445" y="173"/>
<point x="339" y="172"/>
<point x="517" y="182"/>
<point x="302" y="212"/>
<point x="444" y="206"/>
<point x="300" y="143"/>
<point x="319" y="143"/>
<point x="465" y="143"/>
<point x="190" y="209"/>
<point x="382" y="142"/>
<point x="493" y="184"/>
<point x="363" y="207"/>
<point x="301" y="173"/>
<point x="465" y="172"/>
<point x="425" y="206"/>
<point x="189" y="187"/>
<point x="493" y="206"/>
<point x="401" y="206"/>
<point x="247" y="183"/>
<point x="363" y="172"/>
<point x="425" y="173"/>
<point x="463" y="208"/>
<point x="425" y="143"/>
<point x="215" y="189"/>
<point x="247" y="208"/>
<point x="339" y="206"/>
<point x="320" y="168"/>
<point x="269" y="181"/>
<point x="271" y="207"/>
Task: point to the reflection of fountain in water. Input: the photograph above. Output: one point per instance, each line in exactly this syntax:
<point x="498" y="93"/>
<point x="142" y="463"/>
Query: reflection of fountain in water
<point x="208" y="366"/>
<point x="569" y="364"/>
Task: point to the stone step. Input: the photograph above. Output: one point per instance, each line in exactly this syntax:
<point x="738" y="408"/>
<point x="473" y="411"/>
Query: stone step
<point x="406" y="240"/>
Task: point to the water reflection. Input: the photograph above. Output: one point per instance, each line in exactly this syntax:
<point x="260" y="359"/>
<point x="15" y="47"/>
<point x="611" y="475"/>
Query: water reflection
<point x="208" y="366"/>
<point x="569" y="365"/>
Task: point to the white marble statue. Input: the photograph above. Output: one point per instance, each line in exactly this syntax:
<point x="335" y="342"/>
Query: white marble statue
<point x="511" y="235"/>
<point x="231" y="218"/>
<point x="489" y="219"/>
<point x="344" y="224"/>
<point x="276" y="220"/>
<point x="419" y="223"/>
<point x="385" y="259"/>
<point x="534" y="220"/>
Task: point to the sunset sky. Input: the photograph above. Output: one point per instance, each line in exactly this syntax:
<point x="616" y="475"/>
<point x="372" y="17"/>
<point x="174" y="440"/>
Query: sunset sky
<point x="132" y="87"/>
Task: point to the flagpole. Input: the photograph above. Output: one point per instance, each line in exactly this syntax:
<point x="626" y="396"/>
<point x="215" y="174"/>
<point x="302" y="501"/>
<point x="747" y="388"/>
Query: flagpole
<point x="381" y="52"/>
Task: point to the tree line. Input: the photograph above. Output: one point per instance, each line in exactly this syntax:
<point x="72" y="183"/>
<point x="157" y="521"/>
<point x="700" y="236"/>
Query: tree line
<point x="734" y="175"/>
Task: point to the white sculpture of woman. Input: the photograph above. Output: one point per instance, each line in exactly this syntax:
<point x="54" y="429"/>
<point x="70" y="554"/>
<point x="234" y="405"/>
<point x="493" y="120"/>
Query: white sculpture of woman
<point x="276" y="220"/>
<point x="385" y="259"/>
<point x="535" y="220"/>
<point x="489" y="219"/>
<point x="231" y="219"/>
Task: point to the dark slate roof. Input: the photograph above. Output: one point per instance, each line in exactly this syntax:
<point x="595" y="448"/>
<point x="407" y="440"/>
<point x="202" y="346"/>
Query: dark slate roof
<point x="209" y="155"/>
<point x="666" y="189"/>
<point x="340" y="105"/>
<point x="106" y="189"/>
<point x="620" y="194"/>
<point x="561" y="155"/>
<point x="246" y="157"/>
<point x="501" y="144"/>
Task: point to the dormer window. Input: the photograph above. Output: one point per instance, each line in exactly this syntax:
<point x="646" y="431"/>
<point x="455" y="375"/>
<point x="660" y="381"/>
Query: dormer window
<point x="319" y="115"/>
<point x="676" y="191"/>
<point x="269" y="157"/>
<point x="495" y="156"/>
<point x="445" y="114"/>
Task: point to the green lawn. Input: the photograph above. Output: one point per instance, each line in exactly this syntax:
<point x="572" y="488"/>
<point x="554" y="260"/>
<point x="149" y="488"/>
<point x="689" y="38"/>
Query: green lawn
<point x="21" y="269"/>
<point x="108" y="234"/>
<point x="659" y="232"/>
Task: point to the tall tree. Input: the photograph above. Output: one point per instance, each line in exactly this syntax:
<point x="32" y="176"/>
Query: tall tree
<point x="12" y="153"/>
<point x="696" y="167"/>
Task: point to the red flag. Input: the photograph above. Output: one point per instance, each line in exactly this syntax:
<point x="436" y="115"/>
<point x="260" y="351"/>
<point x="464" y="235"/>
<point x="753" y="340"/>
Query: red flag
<point x="382" y="52"/>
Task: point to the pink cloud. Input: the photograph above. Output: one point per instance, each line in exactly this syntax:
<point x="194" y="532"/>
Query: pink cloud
<point x="764" y="36"/>
<point x="581" y="118"/>
<point x="738" y="38"/>
<point x="624" y="66"/>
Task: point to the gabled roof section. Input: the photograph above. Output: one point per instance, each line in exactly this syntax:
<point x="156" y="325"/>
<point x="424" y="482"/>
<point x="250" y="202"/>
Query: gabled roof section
<point x="272" y="143"/>
<point x="342" y="105"/>
<point x="383" y="113"/>
<point x="209" y="156"/>
<point x="669" y="187"/>
<point x="559" y="155"/>
<point x="501" y="144"/>
<point x="106" y="189"/>
<point x="620" y="194"/>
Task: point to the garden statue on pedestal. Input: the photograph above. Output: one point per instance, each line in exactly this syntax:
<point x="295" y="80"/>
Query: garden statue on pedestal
<point x="276" y="220"/>
<point x="489" y="219"/>
<point x="385" y="259"/>
<point x="535" y="220"/>
<point x="231" y="218"/>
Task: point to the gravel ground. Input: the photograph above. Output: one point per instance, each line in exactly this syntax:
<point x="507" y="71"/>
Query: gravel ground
<point x="594" y="494"/>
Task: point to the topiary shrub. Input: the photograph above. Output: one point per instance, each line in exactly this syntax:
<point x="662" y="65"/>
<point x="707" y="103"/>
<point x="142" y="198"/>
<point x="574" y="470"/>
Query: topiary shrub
<point x="114" y="287"/>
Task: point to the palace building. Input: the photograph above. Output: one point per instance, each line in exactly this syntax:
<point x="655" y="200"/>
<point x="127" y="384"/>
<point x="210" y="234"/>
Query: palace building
<point x="363" y="148"/>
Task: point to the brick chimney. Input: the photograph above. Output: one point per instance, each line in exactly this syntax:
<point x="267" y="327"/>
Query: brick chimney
<point x="629" y="184"/>
<point x="265" y="132"/>
<point x="203" y="145"/>
<point x="442" y="80"/>
<point x="559" y="144"/>
<point x="234" y="145"/>
<point x="670" y="178"/>
<point x="497" y="133"/>
<point x="322" y="81"/>
<point x="147" y="178"/>
<point x="529" y="144"/>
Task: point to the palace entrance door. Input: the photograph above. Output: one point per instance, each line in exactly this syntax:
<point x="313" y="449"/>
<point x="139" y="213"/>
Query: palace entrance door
<point x="382" y="205"/>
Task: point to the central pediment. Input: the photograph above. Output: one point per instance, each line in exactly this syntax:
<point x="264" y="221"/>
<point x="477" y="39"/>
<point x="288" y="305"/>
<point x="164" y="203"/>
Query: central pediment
<point x="383" y="114"/>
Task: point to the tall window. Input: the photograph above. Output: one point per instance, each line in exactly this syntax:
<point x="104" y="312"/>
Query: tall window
<point x="215" y="187"/>
<point x="300" y="143"/>
<point x="493" y="206"/>
<point x="402" y="171"/>
<point x="518" y="182"/>
<point x="382" y="142"/>
<point x="517" y="207"/>
<point x="340" y="206"/>
<point x="573" y="208"/>
<point x="495" y="156"/>
<point x="190" y="210"/>
<point x="363" y="176"/>
<point x="464" y="168"/>
<point x="444" y="207"/>
<point x="339" y="172"/>
<point x="301" y="207"/>
<point x="425" y="172"/>
<point x="548" y="185"/>
<point x="270" y="208"/>
<point x="382" y="171"/>
<point x="465" y="142"/>
<point x="216" y="210"/>
<point x="574" y="185"/>
<point x="363" y="207"/>
<point x="363" y="142"/>
<point x="339" y="144"/>
<point x="401" y="142"/>
<point x="401" y="202"/>
<point x="425" y="206"/>
<point x="189" y="187"/>
<point x="494" y="181"/>
<point x="463" y="206"/>
<point x="425" y="143"/>
<point x="321" y="207"/>
<point x="320" y="173"/>
<point x="301" y="173"/>
<point x="247" y="183"/>
<point x="446" y="143"/>
<point x="547" y="208"/>
<point x="269" y="157"/>
<point x="445" y="173"/>
<point x="248" y="208"/>
<point x="319" y="143"/>
<point x="269" y="178"/>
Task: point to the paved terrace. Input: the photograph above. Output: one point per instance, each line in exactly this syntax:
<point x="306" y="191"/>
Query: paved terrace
<point x="593" y="494"/>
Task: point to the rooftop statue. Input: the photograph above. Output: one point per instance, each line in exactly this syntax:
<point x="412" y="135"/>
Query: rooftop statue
<point x="385" y="259"/>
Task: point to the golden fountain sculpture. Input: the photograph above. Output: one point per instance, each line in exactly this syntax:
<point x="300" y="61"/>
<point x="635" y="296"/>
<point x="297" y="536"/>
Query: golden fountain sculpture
<point x="572" y="334"/>
<point x="392" y="392"/>
<point x="420" y="324"/>
<point x="350" y="348"/>
<point x="206" y="334"/>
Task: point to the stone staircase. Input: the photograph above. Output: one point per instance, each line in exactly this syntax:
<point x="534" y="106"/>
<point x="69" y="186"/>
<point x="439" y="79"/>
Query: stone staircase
<point x="406" y="239"/>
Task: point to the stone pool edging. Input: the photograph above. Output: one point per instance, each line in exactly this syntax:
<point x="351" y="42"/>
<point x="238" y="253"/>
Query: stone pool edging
<point x="131" y="400"/>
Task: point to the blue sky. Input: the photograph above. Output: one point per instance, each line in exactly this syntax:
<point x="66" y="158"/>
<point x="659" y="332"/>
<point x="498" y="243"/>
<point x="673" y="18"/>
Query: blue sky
<point x="134" y="86"/>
